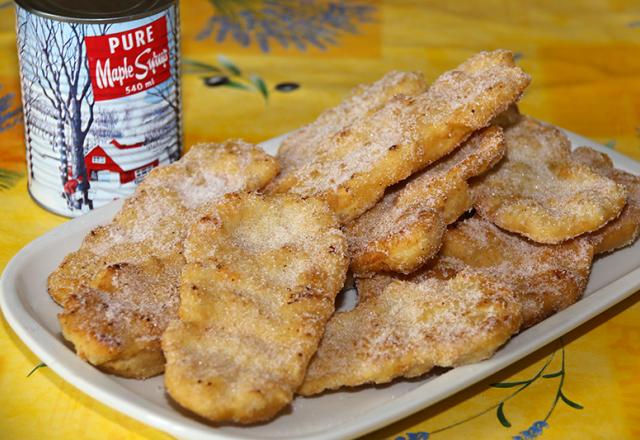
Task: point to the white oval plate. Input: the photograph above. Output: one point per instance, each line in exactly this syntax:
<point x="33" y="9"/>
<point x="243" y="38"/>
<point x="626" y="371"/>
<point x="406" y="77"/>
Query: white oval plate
<point x="32" y="315"/>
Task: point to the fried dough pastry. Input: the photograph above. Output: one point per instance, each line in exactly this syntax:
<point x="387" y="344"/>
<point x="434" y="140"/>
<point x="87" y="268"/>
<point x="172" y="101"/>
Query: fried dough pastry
<point x="119" y="290"/>
<point x="546" y="278"/>
<point x="625" y="229"/>
<point x="540" y="192"/>
<point x="354" y="166"/>
<point x="405" y="228"/>
<point x="406" y="328"/>
<point x="260" y="283"/>
<point x="304" y="144"/>
<point x="145" y="225"/>
<point x="117" y="321"/>
<point x="522" y="283"/>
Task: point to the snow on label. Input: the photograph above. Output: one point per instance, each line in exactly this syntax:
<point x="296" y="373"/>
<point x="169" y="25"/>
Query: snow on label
<point x="129" y="62"/>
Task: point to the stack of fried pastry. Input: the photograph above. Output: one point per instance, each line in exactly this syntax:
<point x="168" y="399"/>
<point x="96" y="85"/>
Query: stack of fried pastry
<point x="462" y="222"/>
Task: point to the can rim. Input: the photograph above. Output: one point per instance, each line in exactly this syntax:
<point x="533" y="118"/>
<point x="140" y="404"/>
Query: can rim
<point x="143" y="9"/>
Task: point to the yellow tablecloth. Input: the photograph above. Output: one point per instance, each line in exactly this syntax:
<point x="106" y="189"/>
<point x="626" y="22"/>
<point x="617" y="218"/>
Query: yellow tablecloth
<point x="585" y="61"/>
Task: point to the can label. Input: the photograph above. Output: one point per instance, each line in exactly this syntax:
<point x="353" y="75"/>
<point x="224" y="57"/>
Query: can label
<point x="129" y="62"/>
<point x="101" y="106"/>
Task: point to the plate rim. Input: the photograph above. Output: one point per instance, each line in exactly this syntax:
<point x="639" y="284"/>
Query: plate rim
<point x="39" y="340"/>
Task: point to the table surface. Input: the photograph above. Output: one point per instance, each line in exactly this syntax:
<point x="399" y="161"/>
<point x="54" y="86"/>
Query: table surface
<point x="585" y="63"/>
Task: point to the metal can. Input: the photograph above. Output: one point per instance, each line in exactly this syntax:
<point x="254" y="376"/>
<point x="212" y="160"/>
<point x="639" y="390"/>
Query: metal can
<point x="101" y="97"/>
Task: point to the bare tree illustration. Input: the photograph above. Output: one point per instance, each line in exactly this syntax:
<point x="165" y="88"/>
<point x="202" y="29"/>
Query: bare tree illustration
<point x="169" y="91"/>
<point x="60" y="59"/>
<point x="29" y="98"/>
<point x="47" y="77"/>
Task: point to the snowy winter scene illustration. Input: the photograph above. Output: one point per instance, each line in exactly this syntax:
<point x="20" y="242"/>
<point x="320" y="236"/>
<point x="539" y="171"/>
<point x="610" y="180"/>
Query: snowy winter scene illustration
<point x="101" y="104"/>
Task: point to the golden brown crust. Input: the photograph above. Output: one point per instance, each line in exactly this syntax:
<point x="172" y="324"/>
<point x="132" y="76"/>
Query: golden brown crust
<point x="405" y="229"/>
<point x="546" y="278"/>
<point x="260" y="282"/>
<point x="540" y="192"/>
<point x="405" y="328"/>
<point x="116" y="322"/>
<point x="142" y="246"/>
<point x="356" y="165"/>
<point x="625" y="229"/>
<point x="305" y="143"/>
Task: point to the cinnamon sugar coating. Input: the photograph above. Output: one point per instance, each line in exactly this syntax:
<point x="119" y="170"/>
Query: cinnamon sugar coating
<point x="540" y="192"/>
<point x="260" y="283"/>
<point x="354" y="166"/>
<point x="405" y="229"/>
<point x="119" y="290"/>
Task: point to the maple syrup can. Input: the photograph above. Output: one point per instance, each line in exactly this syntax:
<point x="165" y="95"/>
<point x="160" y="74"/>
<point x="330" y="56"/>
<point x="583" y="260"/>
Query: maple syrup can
<point x="101" y="97"/>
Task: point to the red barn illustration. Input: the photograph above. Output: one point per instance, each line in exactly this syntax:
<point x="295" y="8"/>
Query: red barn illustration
<point x="116" y="162"/>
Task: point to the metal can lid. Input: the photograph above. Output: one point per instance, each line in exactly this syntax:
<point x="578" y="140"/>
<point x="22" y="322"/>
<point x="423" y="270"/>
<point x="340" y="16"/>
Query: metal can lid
<point x="95" y="11"/>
